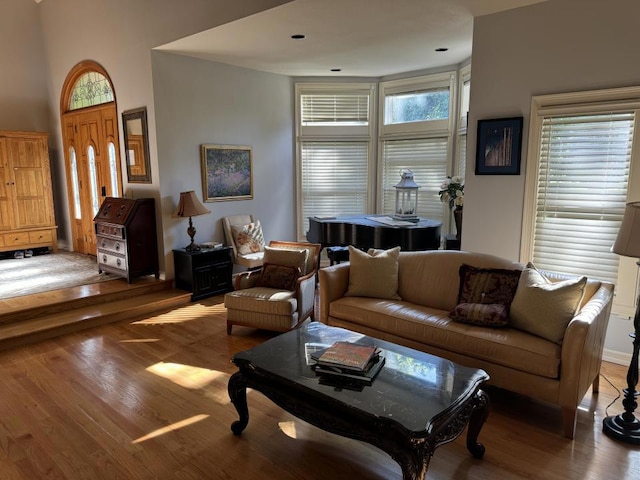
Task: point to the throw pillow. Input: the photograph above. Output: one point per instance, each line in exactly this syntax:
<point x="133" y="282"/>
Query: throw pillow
<point x="375" y="275"/>
<point x="545" y="308"/>
<point x="280" y="277"/>
<point x="482" y="314"/>
<point x="287" y="256"/>
<point x="248" y="238"/>
<point x="487" y="285"/>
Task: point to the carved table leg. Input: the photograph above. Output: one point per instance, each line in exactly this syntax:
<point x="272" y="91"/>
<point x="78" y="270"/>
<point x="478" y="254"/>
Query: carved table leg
<point x="238" y="394"/>
<point x="478" y="416"/>
<point x="415" y="462"/>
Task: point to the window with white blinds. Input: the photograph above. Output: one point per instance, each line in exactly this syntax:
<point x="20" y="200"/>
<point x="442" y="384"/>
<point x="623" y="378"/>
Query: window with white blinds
<point x="334" y="178"/>
<point x="427" y="159"/>
<point x="334" y="109"/>
<point x="334" y="135"/>
<point x="583" y="175"/>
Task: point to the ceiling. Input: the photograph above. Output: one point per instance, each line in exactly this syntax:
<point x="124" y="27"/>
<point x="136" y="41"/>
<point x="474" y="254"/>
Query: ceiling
<point x="370" y="38"/>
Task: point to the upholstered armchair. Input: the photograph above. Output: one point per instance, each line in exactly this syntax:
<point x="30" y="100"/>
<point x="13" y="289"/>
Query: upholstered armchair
<point x="244" y="234"/>
<point x="281" y="294"/>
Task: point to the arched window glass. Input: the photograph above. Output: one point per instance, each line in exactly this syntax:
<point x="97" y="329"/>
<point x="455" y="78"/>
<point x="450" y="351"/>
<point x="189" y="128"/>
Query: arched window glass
<point x="92" y="88"/>
<point x="74" y="184"/>
<point x="113" y="169"/>
<point x="93" y="174"/>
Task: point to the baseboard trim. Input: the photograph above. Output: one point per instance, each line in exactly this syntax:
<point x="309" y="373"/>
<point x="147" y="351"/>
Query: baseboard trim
<point x="614" y="356"/>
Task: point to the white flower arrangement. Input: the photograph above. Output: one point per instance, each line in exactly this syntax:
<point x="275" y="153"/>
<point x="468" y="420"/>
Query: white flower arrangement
<point x="452" y="191"/>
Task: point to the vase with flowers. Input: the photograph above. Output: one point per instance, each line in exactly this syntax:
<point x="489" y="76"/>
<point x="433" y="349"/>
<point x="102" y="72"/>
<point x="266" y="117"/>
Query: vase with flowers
<point x="452" y="192"/>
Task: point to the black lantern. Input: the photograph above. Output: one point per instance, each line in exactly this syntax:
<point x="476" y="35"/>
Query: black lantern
<point x="406" y="197"/>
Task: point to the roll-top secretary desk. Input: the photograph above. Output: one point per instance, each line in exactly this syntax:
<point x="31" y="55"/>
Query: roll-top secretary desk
<point x="126" y="237"/>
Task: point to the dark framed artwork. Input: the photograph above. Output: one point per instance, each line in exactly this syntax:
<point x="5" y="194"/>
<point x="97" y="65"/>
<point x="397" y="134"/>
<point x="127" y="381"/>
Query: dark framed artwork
<point x="499" y="143"/>
<point x="227" y="172"/>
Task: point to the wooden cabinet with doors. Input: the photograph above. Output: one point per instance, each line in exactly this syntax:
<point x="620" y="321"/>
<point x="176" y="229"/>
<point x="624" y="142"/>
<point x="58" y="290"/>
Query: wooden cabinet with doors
<point x="27" y="218"/>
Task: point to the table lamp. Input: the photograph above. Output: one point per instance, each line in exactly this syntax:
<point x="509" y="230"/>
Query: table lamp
<point x="625" y="426"/>
<point x="190" y="206"/>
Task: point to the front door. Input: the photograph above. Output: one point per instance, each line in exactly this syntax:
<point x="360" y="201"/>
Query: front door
<point x="93" y="168"/>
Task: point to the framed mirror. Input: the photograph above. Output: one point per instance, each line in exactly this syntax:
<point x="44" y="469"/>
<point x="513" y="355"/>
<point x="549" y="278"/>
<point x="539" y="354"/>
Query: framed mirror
<point x="136" y="145"/>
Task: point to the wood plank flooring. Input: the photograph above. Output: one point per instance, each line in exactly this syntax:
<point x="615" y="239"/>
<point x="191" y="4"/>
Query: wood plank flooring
<point x="147" y="399"/>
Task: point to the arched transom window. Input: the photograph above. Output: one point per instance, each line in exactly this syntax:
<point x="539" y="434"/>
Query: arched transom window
<point x="91" y="88"/>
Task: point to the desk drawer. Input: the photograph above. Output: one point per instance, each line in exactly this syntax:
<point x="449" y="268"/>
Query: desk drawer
<point x="113" y="261"/>
<point x="112" y="245"/>
<point x="110" y="230"/>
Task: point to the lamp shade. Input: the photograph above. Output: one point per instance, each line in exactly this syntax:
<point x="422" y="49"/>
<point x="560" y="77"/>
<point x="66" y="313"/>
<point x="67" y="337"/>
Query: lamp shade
<point x="189" y="206"/>
<point x="628" y="240"/>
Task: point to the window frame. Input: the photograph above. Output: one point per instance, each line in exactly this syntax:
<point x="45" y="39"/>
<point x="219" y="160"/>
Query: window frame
<point x="576" y="103"/>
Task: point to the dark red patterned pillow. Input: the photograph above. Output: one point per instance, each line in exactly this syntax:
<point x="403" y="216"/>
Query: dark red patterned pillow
<point x="487" y="285"/>
<point x="482" y="314"/>
<point x="278" y="276"/>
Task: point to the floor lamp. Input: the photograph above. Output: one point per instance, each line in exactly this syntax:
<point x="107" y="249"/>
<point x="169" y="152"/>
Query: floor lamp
<point x="190" y="206"/>
<point x="626" y="427"/>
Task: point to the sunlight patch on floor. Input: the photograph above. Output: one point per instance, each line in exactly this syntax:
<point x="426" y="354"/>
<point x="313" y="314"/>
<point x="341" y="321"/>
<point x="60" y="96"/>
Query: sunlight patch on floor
<point x="170" y="428"/>
<point x="288" y="428"/>
<point x="183" y="314"/>
<point x="186" y="376"/>
<point x="140" y="340"/>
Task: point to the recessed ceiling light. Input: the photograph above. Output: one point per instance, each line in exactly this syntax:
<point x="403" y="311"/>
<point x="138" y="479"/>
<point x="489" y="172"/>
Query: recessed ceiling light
<point x="297" y="36"/>
<point x="441" y="49"/>
<point x="336" y="69"/>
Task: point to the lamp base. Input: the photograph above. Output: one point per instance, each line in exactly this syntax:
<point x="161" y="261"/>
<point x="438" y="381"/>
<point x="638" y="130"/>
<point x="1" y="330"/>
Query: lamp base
<point x="620" y="429"/>
<point x="192" y="247"/>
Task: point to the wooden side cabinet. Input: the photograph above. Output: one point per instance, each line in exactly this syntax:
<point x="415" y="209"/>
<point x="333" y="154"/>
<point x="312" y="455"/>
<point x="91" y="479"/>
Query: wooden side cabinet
<point x="205" y="273"/>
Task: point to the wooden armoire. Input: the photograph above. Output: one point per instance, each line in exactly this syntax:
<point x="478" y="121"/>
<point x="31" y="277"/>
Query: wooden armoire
<point x="27" y="219"/>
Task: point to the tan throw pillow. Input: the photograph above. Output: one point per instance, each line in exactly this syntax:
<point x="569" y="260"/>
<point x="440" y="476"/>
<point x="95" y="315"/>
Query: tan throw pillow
<point x="373" y="276"/>
<point x="278" y="276"/>
<point x="287" y="256"/>
<point x="248" y="238"/>
<point x="545" y="308"/>
<point x="482" y="314"/>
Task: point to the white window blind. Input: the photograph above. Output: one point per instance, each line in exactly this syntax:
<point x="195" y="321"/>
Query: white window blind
<point x="427" y="159"/>
<point x="582" y="189"/>
<point x="334" y="178"/>
<point x="335" y="109"/>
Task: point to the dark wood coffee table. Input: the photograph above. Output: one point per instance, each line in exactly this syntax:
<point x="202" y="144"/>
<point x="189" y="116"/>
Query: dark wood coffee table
<point x="416" y="403"/>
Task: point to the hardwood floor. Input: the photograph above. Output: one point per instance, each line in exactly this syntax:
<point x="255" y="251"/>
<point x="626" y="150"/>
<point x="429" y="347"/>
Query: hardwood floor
<point x="147" y="399"/>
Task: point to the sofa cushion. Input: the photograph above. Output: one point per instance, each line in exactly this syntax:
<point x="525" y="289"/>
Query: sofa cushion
<point x="248" y="238"/>
<point x="281" y="277"/>
<point x="288" y="257"/>
<point x="373" y="275"/>
<point x="262" y="300"/>
<point x="487" y="285"/>
<point x="508" y="347"/>
<point x="482" y="314"/>
<point x="545" y="308"/>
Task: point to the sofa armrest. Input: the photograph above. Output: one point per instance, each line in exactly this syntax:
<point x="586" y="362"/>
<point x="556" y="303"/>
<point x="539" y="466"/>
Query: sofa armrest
<point x="246" y="279"/>
<point x="306" y="294"/>
<point x="334" y="283"/>
<point x="582" y="347"/>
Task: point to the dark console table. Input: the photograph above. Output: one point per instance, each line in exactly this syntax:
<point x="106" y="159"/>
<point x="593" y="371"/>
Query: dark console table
<point x="416" y="403"/>
<point x="204" y="272"/>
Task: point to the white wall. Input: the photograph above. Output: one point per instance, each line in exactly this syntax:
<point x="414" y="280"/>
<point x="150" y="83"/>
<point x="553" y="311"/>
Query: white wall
<point x="119" y="35"/>
<point x="551" y="47"/>
<point x="23" y="83"/>
<point x="199" y="102"/>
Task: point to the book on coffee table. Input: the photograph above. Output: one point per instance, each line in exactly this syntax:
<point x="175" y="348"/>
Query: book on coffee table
<point x="347" y="356"/>
<point x="340" y="375"/>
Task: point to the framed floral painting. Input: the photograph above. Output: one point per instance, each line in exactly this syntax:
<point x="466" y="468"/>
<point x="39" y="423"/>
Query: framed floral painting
<point x="227" y="172"/>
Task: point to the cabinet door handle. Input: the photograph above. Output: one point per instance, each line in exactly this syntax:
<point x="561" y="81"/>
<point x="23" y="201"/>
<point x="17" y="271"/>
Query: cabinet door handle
<point x="104" y="259"/>
<point x="117" y="246"/>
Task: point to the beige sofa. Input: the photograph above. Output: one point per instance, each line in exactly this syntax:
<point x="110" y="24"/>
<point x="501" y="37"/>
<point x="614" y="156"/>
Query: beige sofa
<point x="428" y="284"/>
